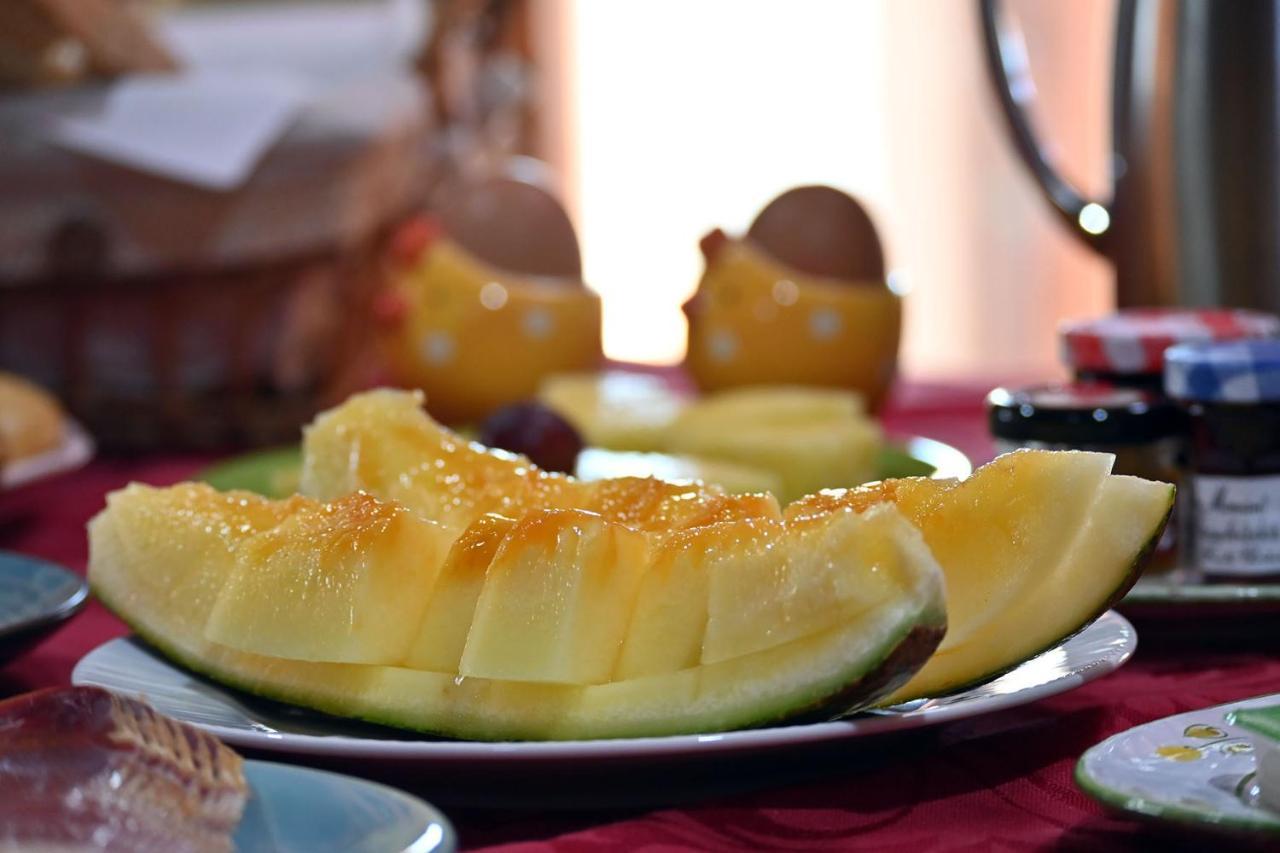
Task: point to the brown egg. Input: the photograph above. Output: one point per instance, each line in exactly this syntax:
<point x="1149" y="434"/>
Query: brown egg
<point x="513" y="225"/>
<point x="822" y="231"/>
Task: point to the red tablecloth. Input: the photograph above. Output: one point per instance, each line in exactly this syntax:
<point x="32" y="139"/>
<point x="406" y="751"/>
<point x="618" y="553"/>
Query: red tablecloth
<point x="1004" y="785"/>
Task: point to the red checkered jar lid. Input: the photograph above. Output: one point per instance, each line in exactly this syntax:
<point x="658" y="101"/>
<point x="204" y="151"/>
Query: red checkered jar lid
<point x="1134" y="341"/>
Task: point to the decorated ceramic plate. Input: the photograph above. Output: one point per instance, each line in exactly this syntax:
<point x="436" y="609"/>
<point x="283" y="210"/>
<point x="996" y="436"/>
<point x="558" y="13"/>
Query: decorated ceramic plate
<point x="127" y="666"/>
<point x="274" y="472"/>
<point x="1192" y="769"/>
<point x="35" y="598"/>
<point x="75" y="450"/>
<point x="300" y="809"/>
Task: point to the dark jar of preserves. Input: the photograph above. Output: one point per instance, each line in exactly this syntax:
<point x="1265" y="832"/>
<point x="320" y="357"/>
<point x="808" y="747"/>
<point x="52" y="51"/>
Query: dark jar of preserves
<point x="1231" y="521"/>
<point x="1142" y="429"/>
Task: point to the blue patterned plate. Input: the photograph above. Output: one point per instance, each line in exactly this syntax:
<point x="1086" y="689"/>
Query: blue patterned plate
<point x="35" y="598"/>
<point x="300" y="809"/>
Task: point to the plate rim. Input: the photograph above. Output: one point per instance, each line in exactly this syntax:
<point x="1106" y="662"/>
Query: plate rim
<point x="449" y="839"/>
<point x="1150" y="810"/>
<point x="1200" y="594"/>
<point x="64" y="610"/>
<point x="740" y="741"/>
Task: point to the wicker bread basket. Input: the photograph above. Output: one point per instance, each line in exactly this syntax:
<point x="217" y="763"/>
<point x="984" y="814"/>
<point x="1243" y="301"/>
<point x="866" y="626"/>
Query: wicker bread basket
<point x="166" y="314"/>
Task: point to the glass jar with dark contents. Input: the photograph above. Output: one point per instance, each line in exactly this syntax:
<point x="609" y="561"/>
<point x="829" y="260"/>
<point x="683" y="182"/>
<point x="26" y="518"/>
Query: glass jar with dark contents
<point x="1127" y="348"/>
<point x="1142" y="429"/>
<point x="1231" y="393"/>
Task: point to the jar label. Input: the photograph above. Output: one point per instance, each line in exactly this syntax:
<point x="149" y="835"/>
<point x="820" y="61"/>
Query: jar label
<point x="1236" y="525"/>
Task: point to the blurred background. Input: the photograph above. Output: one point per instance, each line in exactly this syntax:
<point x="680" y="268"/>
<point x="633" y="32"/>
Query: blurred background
<point x="678" y="117"/>
<point x="200" y="196"/>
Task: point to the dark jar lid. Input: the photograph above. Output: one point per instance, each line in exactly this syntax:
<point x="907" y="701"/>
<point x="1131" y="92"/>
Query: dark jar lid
<point x="1081" y="414"/>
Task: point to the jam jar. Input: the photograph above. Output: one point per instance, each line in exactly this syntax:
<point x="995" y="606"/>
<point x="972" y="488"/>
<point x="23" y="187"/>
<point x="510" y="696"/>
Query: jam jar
<point x="1231" y="392"/>
<point x="1127" y="348"/>
<point x="1144" y="431"/>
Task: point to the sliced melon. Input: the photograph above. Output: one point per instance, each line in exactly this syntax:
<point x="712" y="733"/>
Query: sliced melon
<point x="670" y="617"/>
<point x="382" y="442"/>
<point x="809" y="438"/>
<point x="189" y="525"/>
<point x="615" y="409"/>
<point x="1094" y="572"/>
<point x="354" y="594"/>
<point x="814" y="575"/>
<point x="996" y="533"/>
<point x="447" y="620"/>
<point x="556" y="600"/>
<point x="1009" y="540"/>
<point x="595" y="463"/>
<point x="822" y="675"/>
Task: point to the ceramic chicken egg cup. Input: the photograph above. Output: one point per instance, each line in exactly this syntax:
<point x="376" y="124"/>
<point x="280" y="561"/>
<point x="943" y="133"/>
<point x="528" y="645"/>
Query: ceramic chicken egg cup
<point x="757" y="321"/>
<point x="476" y="338"/>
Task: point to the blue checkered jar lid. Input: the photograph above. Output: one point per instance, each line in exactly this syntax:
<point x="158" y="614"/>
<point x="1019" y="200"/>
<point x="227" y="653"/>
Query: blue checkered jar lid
<point x="1228" y="372"/>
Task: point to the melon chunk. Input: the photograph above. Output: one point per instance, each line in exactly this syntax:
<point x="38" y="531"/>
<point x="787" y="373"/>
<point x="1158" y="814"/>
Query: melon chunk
<point x="809" y="438"/>
<point x="997" y="533"/>
<point x="345" y="582"/>
<point x="1010" y="540"/>
<point x="189" y="526"/>
<point x="820" y="676"/>
<point x="1094" y="572"/>
<point x="815" y="574"/>
<point x="669" y="620"/>
<point x="447" y="620"/>
<point x="383" y="443"/>
<point x="556" y="600"/>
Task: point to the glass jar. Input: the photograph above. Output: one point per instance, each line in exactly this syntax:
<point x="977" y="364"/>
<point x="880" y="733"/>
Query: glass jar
<point x="1127" y="348"/>
<point x="1231" y="392"/>
<point x="1142" y="429"/>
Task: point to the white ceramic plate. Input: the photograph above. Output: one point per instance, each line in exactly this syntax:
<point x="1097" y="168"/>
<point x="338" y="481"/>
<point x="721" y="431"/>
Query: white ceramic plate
<point x="75" y="450"/>
<point x="299" y="810"/>
<point x="1190" y="769"/>
<point x="127" y="666"/>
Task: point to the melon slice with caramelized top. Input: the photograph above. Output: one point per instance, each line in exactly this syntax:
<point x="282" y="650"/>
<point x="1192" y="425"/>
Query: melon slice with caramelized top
<point x="447" y="620"/>
<point x="356" y="594"/>
<point x="556" y="600"/>
<point x="383" y="443"/>
<point x="831" y="671"/>
<point x="1034" y="546"/>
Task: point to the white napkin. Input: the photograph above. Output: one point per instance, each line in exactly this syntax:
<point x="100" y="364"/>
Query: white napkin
<point x="208" y="128"/>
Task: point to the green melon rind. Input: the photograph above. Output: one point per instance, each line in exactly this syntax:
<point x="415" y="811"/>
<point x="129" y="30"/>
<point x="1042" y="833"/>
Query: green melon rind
<point x="907" y="637"/>
<point x="1122" y="589"/>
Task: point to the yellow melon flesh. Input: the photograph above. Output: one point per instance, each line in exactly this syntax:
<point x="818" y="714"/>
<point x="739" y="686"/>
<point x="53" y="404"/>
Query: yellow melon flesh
<point x="670" y="616"/>
<point x="815" y="574"/>
<point x="622" y="411"/>
<point x="345" y="582"/>
<point x="997" y="533"/>
<point x="1009" y="541"/>
<point x="189" y="525"/>
<point x="556" y="600"/>
<point x="808" y="438"/>
<point x="823" y="675"/>
<point x="1093" y="572"/>
<point x="595" y="463"/>
<point x="383" y="443"/>
<point x="447" y="620"/>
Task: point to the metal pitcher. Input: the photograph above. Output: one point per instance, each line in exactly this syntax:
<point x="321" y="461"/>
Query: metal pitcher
<point x="1194" y="217"/>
